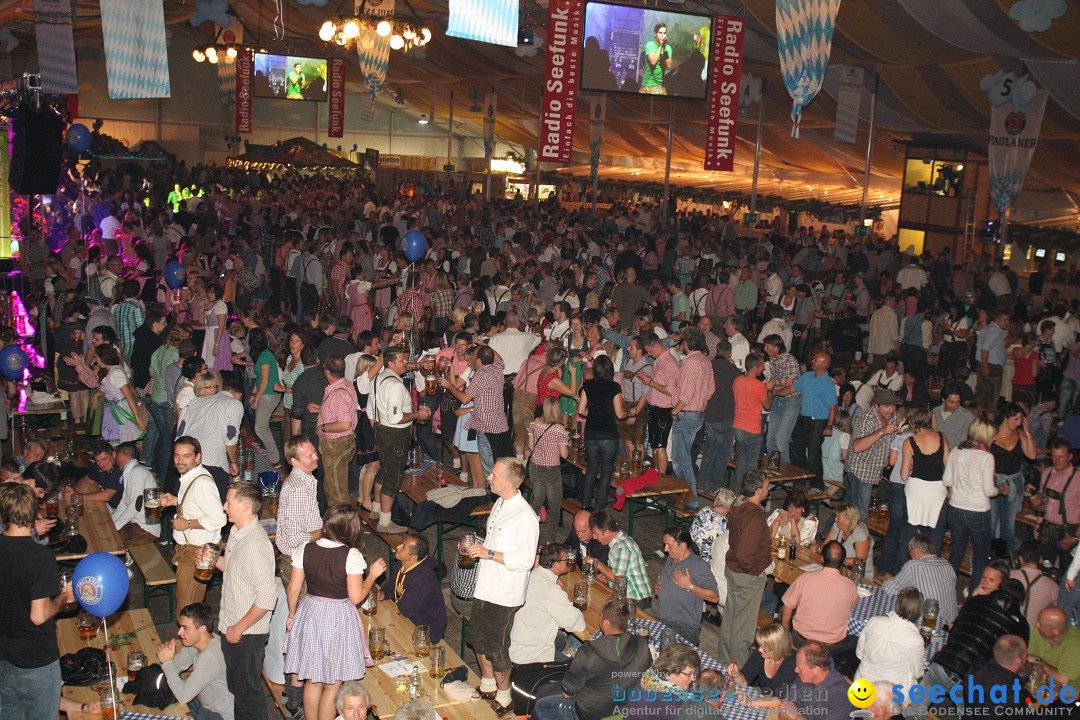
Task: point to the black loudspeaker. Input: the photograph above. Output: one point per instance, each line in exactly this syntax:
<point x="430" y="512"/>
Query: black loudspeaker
<point x="37" y="149"/>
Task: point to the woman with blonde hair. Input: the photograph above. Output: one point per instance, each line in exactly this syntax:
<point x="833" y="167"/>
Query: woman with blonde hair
<point x="550" y="384"/>
<point x="772" y="668"/>
<point x="969" y="478"/>
<point x="548" y="446"/>
<point x="923" y="459"/>
<point x="850" y="531"/>
<point x="326" y="643"/>
<point x="366" y="456"/>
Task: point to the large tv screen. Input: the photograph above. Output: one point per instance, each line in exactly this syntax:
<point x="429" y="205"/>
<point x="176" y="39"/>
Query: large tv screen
<point x="648" y="51"/>
<point x="289" y="77"/>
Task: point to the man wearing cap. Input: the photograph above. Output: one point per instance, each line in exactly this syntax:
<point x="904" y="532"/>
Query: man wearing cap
<point x="869" y="454"/>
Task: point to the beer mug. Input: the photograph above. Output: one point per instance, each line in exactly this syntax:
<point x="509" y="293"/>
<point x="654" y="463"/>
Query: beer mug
<point x="370" y="606"/>
<point x="377" y="642"/>
<point x="88" y="626"/>
<point x="619" y="588"/>
<point x="78" y="507"/>
<point x="571" y="558"/>
<point x="52" y="505"/>
<point x="136" y="661"/>
<point x="421" y="640"/>
<point x="207" y="563"/>
<point x="465" y="560"/>
<point x="65" y="580"/>
<point x="112" y="708"/>
<point x="152" y="505"/>
<point x="581" y="595"/>
<point x="438" y="662"/>
<point x="931" y="609"/>
<point x="431" y="385"/>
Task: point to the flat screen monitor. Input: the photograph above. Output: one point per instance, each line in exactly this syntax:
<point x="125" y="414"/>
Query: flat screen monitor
<point x="648" y="51"/>
<point x="289" y="77"/>
<point x="1040" y="253"/>
<point x="1059" y="258"/>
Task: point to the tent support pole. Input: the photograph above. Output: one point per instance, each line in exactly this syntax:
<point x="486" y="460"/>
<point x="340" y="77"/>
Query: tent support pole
<point x="757" y="152"/>
<point x="869" y="152"/>
<point x="667" y="163"/>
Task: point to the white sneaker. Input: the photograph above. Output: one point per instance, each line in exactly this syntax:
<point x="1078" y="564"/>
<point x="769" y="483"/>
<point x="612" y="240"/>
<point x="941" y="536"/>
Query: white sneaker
<point x="457" y="463"/>
<point x="464" y="477"/>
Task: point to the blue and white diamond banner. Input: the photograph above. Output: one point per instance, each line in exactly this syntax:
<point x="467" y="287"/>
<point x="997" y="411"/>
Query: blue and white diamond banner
<point x="804" y="30"/>
<point x="373" y="51"/>
<point x="848" y="103"/>
<point x="55" y="47"/>
<point x="136" y="58"/>
<point x="490" y="21"/>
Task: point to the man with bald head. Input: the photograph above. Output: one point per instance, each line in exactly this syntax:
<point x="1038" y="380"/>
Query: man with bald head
<point x="582" y="540"/>
<point x="817" y="414"/>
<point x="1057" y="644"/>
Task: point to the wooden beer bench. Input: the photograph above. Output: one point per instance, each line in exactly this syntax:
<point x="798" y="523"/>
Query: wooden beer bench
<point x="158" y="575"/>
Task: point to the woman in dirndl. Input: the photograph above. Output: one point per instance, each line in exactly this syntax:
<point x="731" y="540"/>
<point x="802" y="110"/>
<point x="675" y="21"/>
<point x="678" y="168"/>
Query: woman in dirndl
<point x="325" y="643"/>
<point x="119" y="422"/>
<point x="217" y="349"/>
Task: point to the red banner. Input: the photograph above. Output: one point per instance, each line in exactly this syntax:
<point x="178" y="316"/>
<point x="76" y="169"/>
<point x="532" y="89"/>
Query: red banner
<point x="561" y="71"/>
<point x="724" y="80"/>
<point x="335" y="81"/>
<point x="245" y="62"/>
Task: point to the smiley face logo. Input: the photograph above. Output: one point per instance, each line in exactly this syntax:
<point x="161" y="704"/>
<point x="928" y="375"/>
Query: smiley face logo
<point x="861" y="693"/>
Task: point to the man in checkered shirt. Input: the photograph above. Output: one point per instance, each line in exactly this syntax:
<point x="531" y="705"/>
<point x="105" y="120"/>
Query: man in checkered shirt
<point x="871" y="437"/>
<point x="488" y="418"/>
<point x="624" y="558"/>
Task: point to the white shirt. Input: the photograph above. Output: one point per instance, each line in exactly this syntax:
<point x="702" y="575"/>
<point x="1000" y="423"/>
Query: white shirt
<point x="774" y="288"/>
<point x="513" y="530"/>
<point x="547" y="609"/>
<point x="891" y="648"/>
<point x="108" y="228"/>
<point x="514" y="346"/>
<point x="911" y="276"/>
<point x="198" y="496"/>
<point x="970" y="474"/>
<point x="391" y="400"/>
<point x="355" y="564"/>
<point x="213" y="420"/>
<point x="558" y="331"/>
<point x="740" y="348"/>
<point x="777" y="326"/>
<point x="135" y="479"/>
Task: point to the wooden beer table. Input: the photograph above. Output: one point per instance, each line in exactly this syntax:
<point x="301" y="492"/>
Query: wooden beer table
<point x="599" y="593"/>
<point x="416" y="488"/>
<point x="96" y="525"/>
<point x="384" y="695"/>
<point x="657" y="497"/>
<point x="146" y="639"/>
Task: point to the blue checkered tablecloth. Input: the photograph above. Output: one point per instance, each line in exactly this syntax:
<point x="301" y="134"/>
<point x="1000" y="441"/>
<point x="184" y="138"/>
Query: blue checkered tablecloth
<point x="880" y="602"/>
<point x="145" y="716"/>
<point x="426" y="463"/>
<point x="732" y="708"/>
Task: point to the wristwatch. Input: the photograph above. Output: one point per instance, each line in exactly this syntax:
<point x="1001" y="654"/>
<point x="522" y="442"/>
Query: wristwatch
<point x="491" y="554"/>
<point x="323" y="427"/>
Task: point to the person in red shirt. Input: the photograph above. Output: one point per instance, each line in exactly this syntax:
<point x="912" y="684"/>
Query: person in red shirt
<point x="751" y="399"/>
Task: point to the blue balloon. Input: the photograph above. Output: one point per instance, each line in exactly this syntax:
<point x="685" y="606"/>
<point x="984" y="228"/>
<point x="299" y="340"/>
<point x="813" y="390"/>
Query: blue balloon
<point x="78" y="137"/>
<point x="13" y="362"/>
<point x="415" y="245"/>
<point x="175" y="274"/>
<point x="100" y="582"/>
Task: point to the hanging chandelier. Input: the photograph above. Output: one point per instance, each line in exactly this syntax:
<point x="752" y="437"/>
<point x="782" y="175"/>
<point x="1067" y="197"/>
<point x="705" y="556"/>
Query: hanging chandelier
<point x="348" y="29"/>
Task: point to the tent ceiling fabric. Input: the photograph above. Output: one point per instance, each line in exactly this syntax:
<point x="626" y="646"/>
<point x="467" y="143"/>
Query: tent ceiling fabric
<point x="929" y="55"/>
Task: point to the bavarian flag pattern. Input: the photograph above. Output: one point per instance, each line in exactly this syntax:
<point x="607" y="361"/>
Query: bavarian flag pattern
<point x="490" y="21"/>
<point x="136" y="58"/>
<point x="804" y="31"/>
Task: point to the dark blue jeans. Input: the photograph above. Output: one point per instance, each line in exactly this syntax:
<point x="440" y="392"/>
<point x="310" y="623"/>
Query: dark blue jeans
<point x="157" y="446"/>
<point x="31" y="694"/>
<point x="747" y="450"/>
<point x="967" y="524"/>
<point x="599" y="465"/>
<point x="719" y="439"/>
<point x="893" y="549"/>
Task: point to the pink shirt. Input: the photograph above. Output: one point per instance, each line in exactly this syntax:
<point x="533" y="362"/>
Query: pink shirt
<point x="695" y="382"/>
<point x="339" y="405"/>
<point x="823" y="602"/>
<point x="666" y="373"/>
<point x="1042" y="592"/>
<point x="1053" y="480"/>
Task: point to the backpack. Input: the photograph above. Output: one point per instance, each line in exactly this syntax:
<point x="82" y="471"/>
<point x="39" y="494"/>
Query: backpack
<point x="150" y="688"/>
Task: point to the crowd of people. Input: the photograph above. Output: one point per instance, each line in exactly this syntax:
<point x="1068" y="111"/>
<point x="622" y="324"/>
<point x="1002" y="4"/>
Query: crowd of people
<point x="943" y="391"/>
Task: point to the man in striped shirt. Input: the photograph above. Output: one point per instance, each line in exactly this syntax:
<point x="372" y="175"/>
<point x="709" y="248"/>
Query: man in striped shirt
<point x="931" y="575"/>
<point x="488" y="419"/>
<point x="248" y="594"/>
<point x="694" y="386"/>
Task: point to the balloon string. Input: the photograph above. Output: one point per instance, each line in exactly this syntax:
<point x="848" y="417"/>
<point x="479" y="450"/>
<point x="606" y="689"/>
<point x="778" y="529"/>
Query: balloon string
<point x="109" y="665"/>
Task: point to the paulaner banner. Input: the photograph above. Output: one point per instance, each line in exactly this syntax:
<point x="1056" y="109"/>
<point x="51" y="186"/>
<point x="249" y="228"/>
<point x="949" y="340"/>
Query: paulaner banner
<point x="1014" y="135"/>
<point x="335" y="76"/>
<point x="561" y="71"/>
<point x="724" y="93"/>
